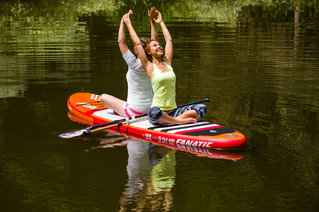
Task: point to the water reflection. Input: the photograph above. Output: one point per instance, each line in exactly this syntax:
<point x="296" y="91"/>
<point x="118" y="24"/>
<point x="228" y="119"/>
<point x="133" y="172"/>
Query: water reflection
<point x="150" y="170"/>
<point x="151" y="177"/>
<point x="42" y="52"/>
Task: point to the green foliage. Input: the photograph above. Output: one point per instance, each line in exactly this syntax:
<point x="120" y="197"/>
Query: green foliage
<point x="226" y="11"/>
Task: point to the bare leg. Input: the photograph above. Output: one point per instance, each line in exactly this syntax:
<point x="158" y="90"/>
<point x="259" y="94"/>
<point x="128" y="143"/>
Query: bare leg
<point x="113" y="103"/>
<point x="187" y="117"/>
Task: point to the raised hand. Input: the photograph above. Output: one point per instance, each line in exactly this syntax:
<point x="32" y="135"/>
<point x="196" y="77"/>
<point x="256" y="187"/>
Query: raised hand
<point x="130" y="13"/>
<point x="151" y="14"/>
<point x="126" y="17"/>
<point x="159" y="17"/>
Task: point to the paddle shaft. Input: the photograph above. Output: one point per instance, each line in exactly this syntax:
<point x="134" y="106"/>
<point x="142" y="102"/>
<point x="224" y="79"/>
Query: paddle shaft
<point x="193" y="103"/>
<point x="113" y="122"/>
<point x="120" y="123"/>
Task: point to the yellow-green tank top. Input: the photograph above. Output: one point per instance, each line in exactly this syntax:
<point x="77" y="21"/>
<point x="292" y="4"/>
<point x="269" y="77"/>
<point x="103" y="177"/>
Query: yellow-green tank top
<point x="163" y="84"/>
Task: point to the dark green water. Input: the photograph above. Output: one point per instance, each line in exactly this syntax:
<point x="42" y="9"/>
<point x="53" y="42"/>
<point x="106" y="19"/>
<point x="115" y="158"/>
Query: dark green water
<point x="262" y="76"/>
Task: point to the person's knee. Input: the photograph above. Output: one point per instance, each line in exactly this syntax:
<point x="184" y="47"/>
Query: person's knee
<point x="201" y="110"/>
<point x="103" y="97"/>
<point x="107" y="99"/>
<point x="154" y="114"/>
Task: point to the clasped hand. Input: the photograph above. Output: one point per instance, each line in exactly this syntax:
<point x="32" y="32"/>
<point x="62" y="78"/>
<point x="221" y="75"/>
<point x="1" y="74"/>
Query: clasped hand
<point x="151" y="14"/>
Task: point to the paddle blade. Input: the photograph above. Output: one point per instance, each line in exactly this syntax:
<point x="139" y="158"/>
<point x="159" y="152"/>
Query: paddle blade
<point x="73" y="134"/>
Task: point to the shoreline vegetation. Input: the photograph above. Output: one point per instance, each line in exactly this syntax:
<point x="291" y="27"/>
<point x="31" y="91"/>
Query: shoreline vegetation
<point x="224" y="11"/>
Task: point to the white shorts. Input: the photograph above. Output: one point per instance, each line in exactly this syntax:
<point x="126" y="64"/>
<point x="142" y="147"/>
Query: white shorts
<point x="129" y="111"/>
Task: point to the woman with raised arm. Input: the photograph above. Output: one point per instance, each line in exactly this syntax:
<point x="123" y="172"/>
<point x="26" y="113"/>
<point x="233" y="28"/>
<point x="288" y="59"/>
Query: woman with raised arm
<point x="158" y="68"/>
<point x="139" y="94"/>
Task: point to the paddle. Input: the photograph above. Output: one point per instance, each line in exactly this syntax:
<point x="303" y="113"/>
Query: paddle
<point x="94" y="128"/>
<point x="115" y="123"/>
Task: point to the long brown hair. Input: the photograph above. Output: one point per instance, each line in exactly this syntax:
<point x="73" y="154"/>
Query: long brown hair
<point x="146" y="48"/>
<point x="143" y="40"/>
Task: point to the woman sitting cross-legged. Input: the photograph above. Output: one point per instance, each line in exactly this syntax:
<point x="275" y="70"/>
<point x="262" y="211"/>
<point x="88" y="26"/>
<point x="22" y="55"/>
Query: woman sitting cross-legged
<point x="158" y="68"/>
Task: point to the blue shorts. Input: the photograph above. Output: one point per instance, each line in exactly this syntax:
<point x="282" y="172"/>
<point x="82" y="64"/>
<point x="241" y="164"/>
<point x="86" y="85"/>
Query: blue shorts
<point x="155" y="113"/>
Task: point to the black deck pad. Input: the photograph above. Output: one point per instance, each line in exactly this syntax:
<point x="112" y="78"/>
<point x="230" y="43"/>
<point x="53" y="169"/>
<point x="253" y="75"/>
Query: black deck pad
<point x="174" y="126"/>
<point x="211" y="132"/>
<point x="179" y="127"/>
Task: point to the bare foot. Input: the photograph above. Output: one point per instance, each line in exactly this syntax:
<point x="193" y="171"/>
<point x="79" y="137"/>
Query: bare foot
<point x="185" y="120"/>
<point x="182" y="119"/>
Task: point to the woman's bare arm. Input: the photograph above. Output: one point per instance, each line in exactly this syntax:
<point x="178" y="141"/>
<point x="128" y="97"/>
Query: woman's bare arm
<point x="168" y="39"/>
<point x="147" y="65"/>
<point x="121" y="38"/>
<point x="151" y="15"/>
